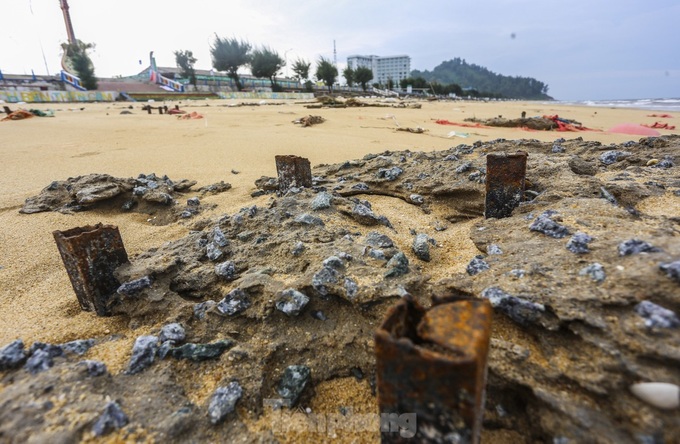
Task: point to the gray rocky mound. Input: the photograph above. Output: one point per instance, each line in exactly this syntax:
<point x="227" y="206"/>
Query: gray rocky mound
<point x="576" y="322"/>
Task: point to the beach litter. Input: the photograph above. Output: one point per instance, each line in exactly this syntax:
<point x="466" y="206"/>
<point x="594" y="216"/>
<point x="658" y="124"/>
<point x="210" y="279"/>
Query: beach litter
<point x="659" y="125"/>
<point x="633" y="129"/>
<point x="309" y="120"/>
<point x="190" y="116"/>
<point x="18" y="115"/>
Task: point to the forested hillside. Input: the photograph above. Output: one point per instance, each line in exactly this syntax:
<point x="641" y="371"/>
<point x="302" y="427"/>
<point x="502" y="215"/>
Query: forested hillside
<point x="458" y="71"/>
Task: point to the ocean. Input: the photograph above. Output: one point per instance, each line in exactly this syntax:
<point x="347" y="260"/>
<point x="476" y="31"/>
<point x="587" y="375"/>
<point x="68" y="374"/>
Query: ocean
<point x="650" y="104"/>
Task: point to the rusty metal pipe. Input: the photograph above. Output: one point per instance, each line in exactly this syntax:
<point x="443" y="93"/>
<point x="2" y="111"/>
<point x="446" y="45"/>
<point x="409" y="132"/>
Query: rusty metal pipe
<point x="432" y="364"/>
<point x="505" y="178"/>
<point x="293" y="171"/>
<point x="91" y="254"/>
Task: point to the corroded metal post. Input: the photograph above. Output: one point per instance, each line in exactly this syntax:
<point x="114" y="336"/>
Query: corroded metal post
<point x="91" y="254"/>
<point x="432" y="364"/>
<point x="505" y="176"/>
<point x="293" y="171"/>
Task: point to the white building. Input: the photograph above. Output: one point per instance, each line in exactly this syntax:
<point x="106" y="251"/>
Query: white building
<point x="393" y="68"/>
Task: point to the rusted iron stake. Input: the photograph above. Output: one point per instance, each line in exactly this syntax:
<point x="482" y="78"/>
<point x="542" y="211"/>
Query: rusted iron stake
<point x="91" y="254"/>
<point x="505" y="175"/>
<point x="432" y="365"/>
<point x="293" y="171"/>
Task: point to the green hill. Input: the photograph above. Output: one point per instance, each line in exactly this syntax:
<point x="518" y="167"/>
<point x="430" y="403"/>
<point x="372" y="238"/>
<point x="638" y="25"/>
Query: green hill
<point x="477" y="77"/>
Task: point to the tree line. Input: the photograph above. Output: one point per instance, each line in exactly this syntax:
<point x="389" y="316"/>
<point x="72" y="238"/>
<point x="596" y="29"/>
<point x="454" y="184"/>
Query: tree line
<point x="231" y="54"/>
<point x="477" y="78"/>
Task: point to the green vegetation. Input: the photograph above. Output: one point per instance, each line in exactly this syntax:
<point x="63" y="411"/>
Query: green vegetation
<point x="363" y="75"/>
<point x="301" y="69"/>
<point x="266" y="63"/>
<point x="185" y="62"/>
<point x="76" y="53"/>
<point x="478" y="80"/>
<point x="348" y="74"/>
<point x="326" y="72"/>
<point x="229" y="55"/>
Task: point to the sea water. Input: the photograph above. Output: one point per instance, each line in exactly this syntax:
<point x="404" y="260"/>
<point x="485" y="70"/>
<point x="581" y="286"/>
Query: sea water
<point x="650" y="104"/>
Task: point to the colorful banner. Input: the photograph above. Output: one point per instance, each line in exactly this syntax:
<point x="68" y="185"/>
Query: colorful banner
<point x="265" y="95"/>
<point x="57" y="96"/>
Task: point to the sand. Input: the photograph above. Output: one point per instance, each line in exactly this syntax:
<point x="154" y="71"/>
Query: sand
<point x="37" y="302"/>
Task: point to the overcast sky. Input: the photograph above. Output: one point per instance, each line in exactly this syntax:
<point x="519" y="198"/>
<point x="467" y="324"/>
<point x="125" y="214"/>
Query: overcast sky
<point x="584" y="50"/>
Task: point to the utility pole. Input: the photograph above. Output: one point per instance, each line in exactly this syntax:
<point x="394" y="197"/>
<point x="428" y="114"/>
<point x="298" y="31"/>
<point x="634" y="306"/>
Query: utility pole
<point x="335" y="55"/>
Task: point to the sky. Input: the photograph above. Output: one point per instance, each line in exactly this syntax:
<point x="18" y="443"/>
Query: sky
<point x="583" y="50"/>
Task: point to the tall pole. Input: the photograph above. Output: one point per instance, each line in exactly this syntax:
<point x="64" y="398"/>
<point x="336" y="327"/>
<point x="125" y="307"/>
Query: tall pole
<point x="67" y="20"/>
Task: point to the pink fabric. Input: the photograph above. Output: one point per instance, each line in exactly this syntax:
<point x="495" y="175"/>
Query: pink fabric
<point x="633" y="128"/>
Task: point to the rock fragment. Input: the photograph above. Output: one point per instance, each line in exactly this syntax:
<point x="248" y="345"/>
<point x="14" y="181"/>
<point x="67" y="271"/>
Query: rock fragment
<point x="636" y="246"/>
<point x="94" y="368"/>
<point x="672" y="270"/>
<point x="235" y="302"/>
<point x="202" y="352"/>
<point x="578" y="244"/>
<point x="226" y="270"/>
<point x="39" y="361"/>
<point x="143" y="354"/>
<point x="291" y="302"/>
<point x="595" y="271"/>
<point x="202" y="308"/>
<point x="78" y="347"/>
<point x="134" y="287"/>
<point x="12" y="355"/>
<point x="477" y="265"/>
<point x="397" y="265"/>
<point x="493" y="249"/>
<point x="544" y="224"/>
<point x="321" y="201"/>
<point x="308" y="219"/>
<point x="223" y="401"/>
<point x="613" y="156"/>
<point x="421" y="247"/>
<point x="293" y="383"/>
<point x="323" y="278"/>
<point x="113" y="418"/>
<point x="518" y="309"/>
<point x="657" y="316"/>
<point x="375" y="239"/>
<point x="172" y="332"/>
<point x="389" y="174"/>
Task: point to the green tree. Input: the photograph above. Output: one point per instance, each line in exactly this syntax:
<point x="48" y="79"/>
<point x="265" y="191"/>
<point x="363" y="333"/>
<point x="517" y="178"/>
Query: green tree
<point x="326" y="72"/>
<point x="363" y="75"/>
<point x="229" y="54"/>
<point x="76" y="53"/>
<point x="301" y="69"/>
<point x="390" y="83"/>
<point x="185" y="62"/>
<point x="348" y="74"/>
<point x="266" y="63"/>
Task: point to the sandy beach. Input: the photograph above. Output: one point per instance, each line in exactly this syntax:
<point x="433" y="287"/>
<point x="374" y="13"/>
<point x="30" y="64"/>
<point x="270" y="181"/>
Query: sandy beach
<point x="235" y="144"/>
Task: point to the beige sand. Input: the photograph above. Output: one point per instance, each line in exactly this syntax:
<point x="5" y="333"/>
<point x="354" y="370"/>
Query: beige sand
<point x="36" y="298"/>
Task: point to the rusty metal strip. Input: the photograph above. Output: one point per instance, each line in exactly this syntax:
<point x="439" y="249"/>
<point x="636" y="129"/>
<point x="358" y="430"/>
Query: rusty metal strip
<point x="505" y="177"/>
<point x="91" y="254"/>
<point x="432" y="364"/>
<point x="293" y="171"/>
